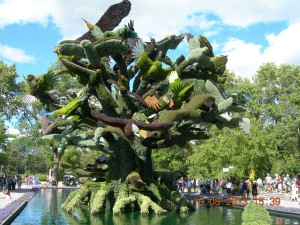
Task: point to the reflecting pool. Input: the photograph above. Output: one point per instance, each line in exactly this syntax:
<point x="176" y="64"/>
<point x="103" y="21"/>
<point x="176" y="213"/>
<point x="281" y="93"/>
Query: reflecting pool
<point x="45" y="208"/>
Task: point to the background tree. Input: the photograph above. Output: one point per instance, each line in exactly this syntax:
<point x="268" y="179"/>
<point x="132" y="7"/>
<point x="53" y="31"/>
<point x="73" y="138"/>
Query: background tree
<point x="8" y="90"/>
<point x="275" y="103"/>
<point x="272" y="145"/>
<point x="254" y="151"/>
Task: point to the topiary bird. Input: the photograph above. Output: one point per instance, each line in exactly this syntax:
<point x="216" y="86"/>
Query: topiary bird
<point x="181" y="92"/>
<point x="40" y="87"/>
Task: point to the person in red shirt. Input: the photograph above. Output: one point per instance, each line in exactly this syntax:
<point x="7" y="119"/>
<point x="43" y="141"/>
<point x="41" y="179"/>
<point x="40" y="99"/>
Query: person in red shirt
<point x="279" y="183"/>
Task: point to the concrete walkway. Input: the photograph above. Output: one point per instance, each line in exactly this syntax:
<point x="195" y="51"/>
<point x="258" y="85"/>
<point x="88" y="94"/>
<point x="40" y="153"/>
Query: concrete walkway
<point x="275" y="203"/>
<point x="20" y="198"/>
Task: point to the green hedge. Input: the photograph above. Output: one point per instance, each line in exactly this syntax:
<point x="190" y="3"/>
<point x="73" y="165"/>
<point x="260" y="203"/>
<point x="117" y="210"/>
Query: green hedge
<point x="255" y="214"/>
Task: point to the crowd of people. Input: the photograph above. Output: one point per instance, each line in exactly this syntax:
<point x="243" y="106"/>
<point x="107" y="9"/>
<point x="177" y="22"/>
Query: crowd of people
<point x="279" y="183"/>
<point x="205" y="187"/>
<point x="8" y="183"/>
<point x="32" y="181"/>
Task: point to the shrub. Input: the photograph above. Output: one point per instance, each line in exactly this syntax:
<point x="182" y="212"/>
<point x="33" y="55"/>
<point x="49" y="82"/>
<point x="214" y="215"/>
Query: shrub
<point x="255" y="214"/>
<point x="42" y="176"/>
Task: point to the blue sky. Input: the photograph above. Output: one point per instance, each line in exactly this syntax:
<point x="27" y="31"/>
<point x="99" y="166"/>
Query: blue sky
<point x="249" y="32"/>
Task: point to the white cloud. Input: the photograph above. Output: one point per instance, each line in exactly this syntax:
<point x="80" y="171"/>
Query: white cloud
<point x="14" y="54"/>
<point x="244" y="13"/>
<point x="29" y="11"/>
<point x="171" y="17"/>
<point x="245" y="58"/>
<point x="161" y="17"/>
<point x="285" y="47"/>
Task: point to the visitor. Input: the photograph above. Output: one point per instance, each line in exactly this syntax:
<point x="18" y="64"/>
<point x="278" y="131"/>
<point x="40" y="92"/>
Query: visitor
<point x="201" y="185"/>
<point x="7" y="188"/>
<point x="216" y="187"/>
<point x="298" y="185"/>
<point x="268" y="181"/>
<point x="228" y="188"/>
<point x="29" y="181"/>
<point x="275" y="183"/>
<point x="2" y="182"/>
<point x="182" y="184"/>
<point x="294" y="191"/>
<point x="19" y="181"/>
<point x="13" y="182"/>
<point x="221" y="183"/>
<point x="288" y="183"/>
<point x="241" y="188"/>
<point x="244" y="193"/>
<point x="195" y="185"/>
<point x="189" y="185"/>
<point x="223" y="186"/>
<point x="279" y="184"/>
<point x="213" y="187"/>
<point x="254" y="190"/>
<point x="248" y="183"/>
<point x="208" y="186"/>
<point x="259" y="184"/>
<point x="37" y="180"/>
<point x="244" y="190"/>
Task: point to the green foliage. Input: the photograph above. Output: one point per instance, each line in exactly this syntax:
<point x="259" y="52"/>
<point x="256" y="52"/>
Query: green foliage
<point x="42" y="176"/>
<point x="233" y="148"/>
<point x="255" y="214"/>
<point x="9" y="89"/>
<point x="99" y="200"/>
<point x="169" y="159"/>
<point x="73" y="157"/>
<point x="75" y="199"/>
<point x="3" y="143"/>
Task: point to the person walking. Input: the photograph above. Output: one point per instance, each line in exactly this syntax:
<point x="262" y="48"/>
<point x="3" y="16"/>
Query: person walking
<point x="228" y="188"/>
<point x="7" y="188"/>
<point x="279" y="183"/>
<point x="19" y="181"/>
<point x="259" y="184"/>
<point x="254" y="190"/>
<point x="298" y="185"/>
<point x="189" y="185"/>
<point x="294" y="191"/>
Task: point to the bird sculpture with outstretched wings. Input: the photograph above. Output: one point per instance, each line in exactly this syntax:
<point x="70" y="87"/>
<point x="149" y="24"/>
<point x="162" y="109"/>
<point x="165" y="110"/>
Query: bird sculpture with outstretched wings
<point x="40" y="87"/>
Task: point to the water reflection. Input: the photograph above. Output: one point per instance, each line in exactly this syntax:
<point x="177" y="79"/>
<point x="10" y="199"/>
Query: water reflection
<point x="45" y="208"/>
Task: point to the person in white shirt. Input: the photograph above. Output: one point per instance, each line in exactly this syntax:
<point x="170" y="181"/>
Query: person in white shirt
<point x="268" y="181"/>
<point x="228" y="188"/>
<point x="259" y="184"/>
<point x="294" y="191"/>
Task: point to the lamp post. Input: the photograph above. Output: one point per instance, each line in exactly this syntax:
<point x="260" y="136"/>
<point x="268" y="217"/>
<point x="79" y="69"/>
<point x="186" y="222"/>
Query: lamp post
<point x="229" y="168"/>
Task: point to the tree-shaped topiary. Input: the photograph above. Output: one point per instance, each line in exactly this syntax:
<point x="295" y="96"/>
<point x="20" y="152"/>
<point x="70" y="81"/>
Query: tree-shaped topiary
<point x="139" y="102"/>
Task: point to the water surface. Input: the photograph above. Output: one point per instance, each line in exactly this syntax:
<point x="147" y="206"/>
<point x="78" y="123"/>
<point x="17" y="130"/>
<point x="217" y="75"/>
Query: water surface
<point x="45" y="209"/>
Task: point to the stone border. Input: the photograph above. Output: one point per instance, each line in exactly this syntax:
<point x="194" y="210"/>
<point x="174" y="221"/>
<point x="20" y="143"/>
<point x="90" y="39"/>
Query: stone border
<point x="11" y="211"/>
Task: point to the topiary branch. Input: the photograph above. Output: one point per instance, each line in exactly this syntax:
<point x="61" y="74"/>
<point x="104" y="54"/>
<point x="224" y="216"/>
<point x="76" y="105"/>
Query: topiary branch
<point x="125" y="123"/>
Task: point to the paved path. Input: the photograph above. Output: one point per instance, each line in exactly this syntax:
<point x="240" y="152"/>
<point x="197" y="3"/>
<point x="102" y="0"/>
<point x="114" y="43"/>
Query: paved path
<point x="276" y="203"/>
<point x="20" y="197"/>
